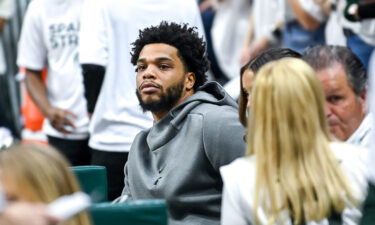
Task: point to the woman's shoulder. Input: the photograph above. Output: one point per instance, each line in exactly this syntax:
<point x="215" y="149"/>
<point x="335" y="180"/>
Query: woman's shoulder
<point x="245" y="162"/>
<point x="240" y="169"/>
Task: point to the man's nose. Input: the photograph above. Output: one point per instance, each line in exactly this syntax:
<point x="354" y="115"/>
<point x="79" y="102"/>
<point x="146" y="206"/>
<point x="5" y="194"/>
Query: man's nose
<point x="149" y="73"/>
<point x="328" y="110"/>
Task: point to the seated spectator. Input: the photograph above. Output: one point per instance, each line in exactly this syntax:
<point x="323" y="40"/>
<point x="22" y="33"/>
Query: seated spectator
<point x="344" y="82"/>
<point x="109" y="77"/>
<point x="293" y="173"/>
<point x="249" y="71"/>
<point x="195" y="131"/>
<point x="36" y="173"/>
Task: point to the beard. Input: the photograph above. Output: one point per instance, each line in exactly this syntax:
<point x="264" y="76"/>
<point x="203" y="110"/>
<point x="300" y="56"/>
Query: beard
<point x="167" y="100"/>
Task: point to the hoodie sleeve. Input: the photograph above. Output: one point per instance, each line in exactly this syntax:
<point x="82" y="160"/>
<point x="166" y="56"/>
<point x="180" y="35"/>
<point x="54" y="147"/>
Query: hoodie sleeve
<point x="126" y="190"/>
<point x="223" y="136"/>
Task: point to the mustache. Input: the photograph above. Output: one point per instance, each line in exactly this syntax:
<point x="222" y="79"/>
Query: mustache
<point x="149" y="84"/>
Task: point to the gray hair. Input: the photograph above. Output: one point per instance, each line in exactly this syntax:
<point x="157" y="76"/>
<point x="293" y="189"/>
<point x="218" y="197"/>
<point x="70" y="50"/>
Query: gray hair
<point x="324" y="56"/>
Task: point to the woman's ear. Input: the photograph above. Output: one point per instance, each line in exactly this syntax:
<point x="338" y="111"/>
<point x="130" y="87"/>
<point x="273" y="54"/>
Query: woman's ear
<point x="190" y="81"/>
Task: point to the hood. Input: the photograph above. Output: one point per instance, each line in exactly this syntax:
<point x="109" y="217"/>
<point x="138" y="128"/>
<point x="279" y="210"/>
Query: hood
<point x="167" y="127"/>
<point x="210" y="92"/>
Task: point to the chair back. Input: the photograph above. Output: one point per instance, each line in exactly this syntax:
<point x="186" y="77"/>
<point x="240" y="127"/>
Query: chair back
<point x="139" y="212"/>
<point x="369" y="207"/>
<point x="93" y="181"/>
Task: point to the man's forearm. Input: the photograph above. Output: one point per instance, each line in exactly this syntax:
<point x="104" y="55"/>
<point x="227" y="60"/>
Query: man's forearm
<point x="59" y="118"/>
<point x="2" y="24"/>
<point x="93" y="76"/>
<point x="304" y="18"/>
<point x="37" y="90"/>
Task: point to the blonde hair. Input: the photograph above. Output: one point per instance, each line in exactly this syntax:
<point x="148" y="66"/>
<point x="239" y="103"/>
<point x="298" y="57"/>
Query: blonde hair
<point x="39" y="174"/>
<point x="295" y="167"/>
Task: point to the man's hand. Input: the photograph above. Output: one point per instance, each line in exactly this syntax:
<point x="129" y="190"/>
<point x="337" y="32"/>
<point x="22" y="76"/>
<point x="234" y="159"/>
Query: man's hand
<point x="2" y="24"/>
<point x="207" y="4"/>
<point x="61" y="119"/>
<point x="89" y="115"/>
<point x="27" y="214"/>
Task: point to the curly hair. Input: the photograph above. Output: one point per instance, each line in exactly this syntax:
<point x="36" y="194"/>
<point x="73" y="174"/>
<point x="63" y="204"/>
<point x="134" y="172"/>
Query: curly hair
<point x="191" y="48"/>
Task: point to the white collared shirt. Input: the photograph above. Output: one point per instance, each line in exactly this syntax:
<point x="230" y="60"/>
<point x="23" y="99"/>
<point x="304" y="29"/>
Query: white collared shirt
<point x="362" y="136"/>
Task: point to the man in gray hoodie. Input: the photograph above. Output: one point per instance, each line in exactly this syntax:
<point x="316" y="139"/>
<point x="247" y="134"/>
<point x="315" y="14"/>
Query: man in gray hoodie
<point x="196" y="128"/>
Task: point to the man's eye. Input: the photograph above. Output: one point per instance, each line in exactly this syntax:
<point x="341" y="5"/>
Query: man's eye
<point x="164" y="66"/>
<point x="334" y="99"/>
<point x="140" y="68"/>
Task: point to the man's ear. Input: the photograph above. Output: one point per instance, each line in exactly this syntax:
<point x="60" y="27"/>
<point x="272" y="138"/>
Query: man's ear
<point x="363" y="94"/>
<point x="190" y="81"/>
<point x="363" y="99"/>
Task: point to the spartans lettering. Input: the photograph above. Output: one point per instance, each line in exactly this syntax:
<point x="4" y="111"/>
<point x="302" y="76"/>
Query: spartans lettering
<point x="63" y="35"/>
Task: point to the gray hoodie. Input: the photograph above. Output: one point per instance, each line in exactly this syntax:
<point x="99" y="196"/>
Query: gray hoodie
<point x="178" y="159"/>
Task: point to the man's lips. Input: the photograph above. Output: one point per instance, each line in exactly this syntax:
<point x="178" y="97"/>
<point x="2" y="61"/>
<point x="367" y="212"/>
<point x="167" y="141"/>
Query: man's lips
<point x="333" y="123"/>
<point x="149" y="87"/>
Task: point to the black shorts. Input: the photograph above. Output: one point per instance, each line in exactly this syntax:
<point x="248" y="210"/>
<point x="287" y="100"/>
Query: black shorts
<point x="77" y="152"/>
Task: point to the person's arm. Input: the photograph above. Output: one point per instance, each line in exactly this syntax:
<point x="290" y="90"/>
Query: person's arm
<point x="245" y="52"/>
<point x="304" y="18"/>
<point x="2" y="24"/>
<point x="27" y="214"/>
<point x="207" y="4"/>
<point x="93" y="76"/>
<point x="126" y="191"/>
<point x="59" y="118"/>
<point x="93" y="49"/>
<point x="265" y="32"/>
<point x="255" y="47"/>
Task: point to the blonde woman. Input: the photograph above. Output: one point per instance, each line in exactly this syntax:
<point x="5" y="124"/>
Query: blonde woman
<point x="293" y="173"/>
<point x="36" y="173"/>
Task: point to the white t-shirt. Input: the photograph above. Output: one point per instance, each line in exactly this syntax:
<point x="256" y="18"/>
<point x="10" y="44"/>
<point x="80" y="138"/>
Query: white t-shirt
<point x="49" y="38"/>
<point x="108" y="29"/>
<point x="239" y="187"/>
<point x="267" y="15"/>
<point x="228" y="34"/>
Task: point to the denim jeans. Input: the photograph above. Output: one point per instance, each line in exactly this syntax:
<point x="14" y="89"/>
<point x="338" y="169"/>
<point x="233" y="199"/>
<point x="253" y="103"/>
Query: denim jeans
<point x="360" y="48"/>
<point x="297" y="38"/>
